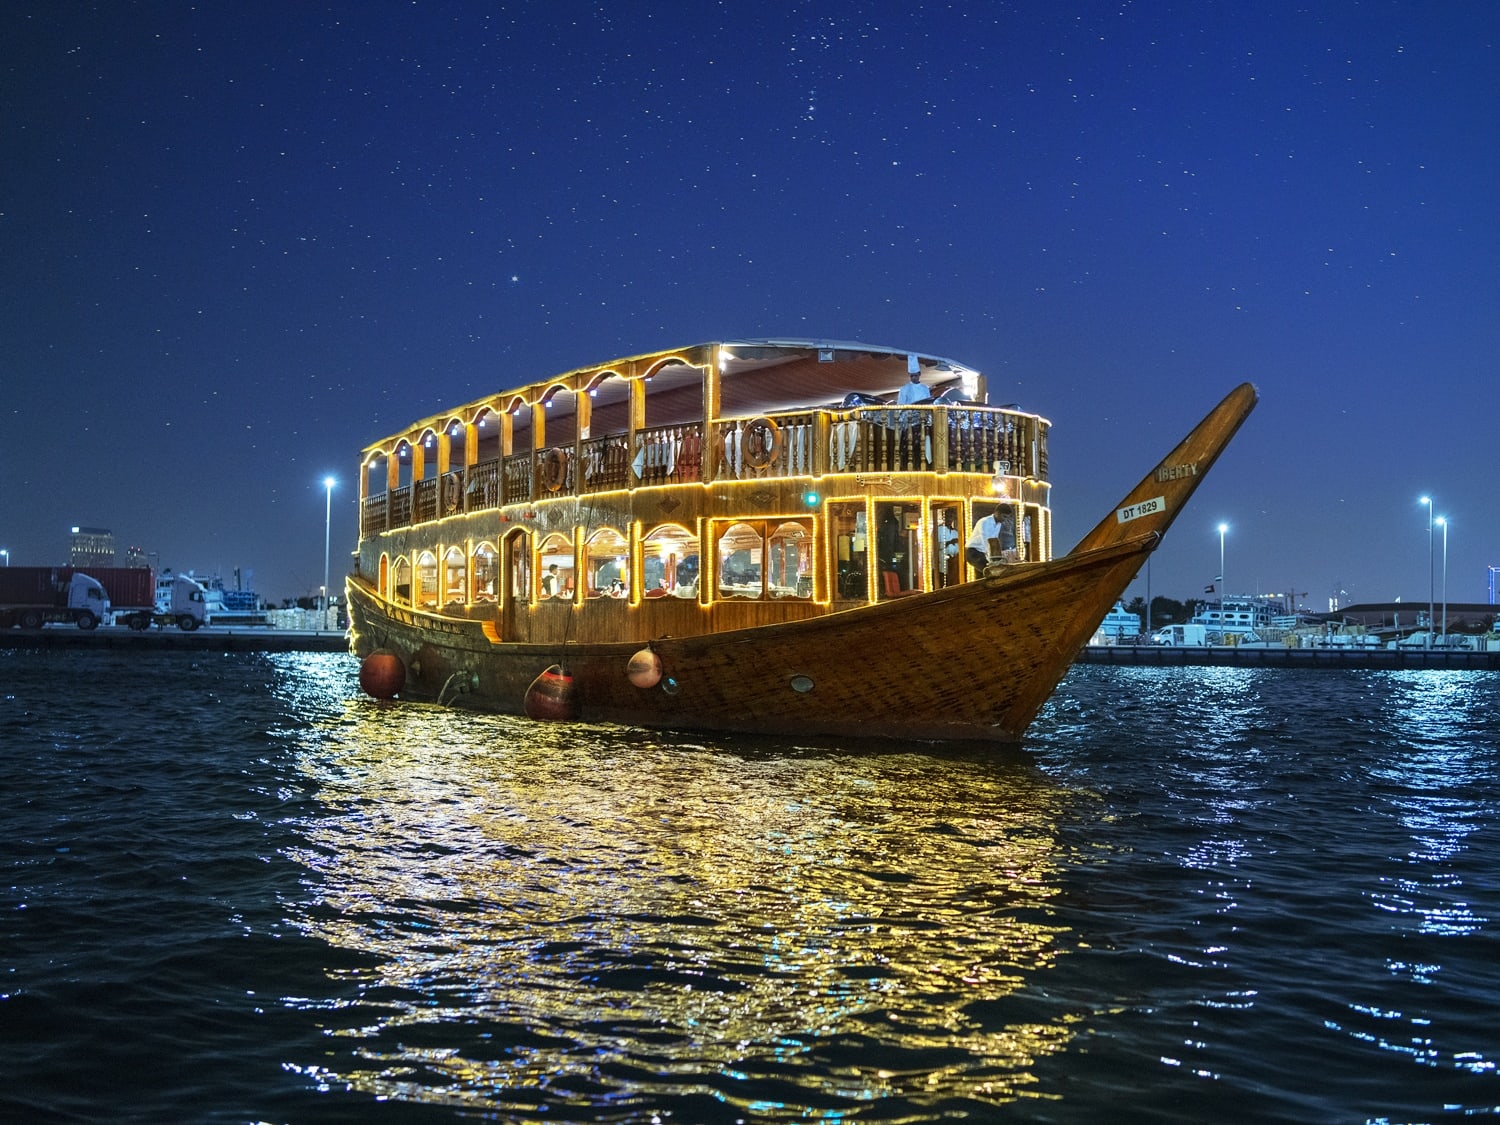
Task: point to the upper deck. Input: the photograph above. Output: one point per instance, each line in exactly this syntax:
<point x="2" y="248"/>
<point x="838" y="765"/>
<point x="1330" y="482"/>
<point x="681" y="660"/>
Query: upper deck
<point x="742" y="410"/>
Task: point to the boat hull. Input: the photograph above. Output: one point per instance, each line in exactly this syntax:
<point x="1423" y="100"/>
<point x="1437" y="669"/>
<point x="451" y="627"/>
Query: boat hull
<point x="972" y="663"/>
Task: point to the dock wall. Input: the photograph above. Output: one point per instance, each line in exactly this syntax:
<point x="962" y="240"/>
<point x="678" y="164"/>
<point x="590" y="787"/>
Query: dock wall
<point x="1231" y="656"/>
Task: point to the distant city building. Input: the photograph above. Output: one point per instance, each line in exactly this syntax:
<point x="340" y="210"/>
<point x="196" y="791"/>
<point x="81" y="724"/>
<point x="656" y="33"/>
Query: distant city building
<point x="137" y="557"/>
<point x="92" y="546"/>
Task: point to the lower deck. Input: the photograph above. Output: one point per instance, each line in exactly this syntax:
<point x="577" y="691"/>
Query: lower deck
<point x="692" y="560"/>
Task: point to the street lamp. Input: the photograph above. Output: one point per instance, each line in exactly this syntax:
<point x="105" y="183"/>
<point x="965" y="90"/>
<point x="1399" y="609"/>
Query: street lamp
<point x="4" y="554"/>
<point x="1430" y="589"/>
<point x="1223" y="527"/>
<point x="1443" y="523"/>
<point x="328" y="483"/>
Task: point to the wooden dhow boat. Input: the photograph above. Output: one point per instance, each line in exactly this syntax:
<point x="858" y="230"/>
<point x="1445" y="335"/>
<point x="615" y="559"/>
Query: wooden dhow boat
<point x="751" y="536"/>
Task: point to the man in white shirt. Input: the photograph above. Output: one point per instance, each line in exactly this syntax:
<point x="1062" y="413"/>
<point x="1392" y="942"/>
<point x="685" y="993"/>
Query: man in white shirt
<point x="997" y="530"/>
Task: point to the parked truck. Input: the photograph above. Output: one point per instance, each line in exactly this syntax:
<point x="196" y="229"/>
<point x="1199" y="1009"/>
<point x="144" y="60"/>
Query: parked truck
<point x="32" y="596"/>
<point x="1178" y="636"/>
<point x="139" y="601"/>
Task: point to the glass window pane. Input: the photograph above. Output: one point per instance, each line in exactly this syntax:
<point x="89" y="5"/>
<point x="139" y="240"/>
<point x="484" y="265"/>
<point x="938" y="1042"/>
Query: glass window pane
<point x="555" y="564"/>
<point x="669" y="563"/>
<point x="608" y="564"/>
<point x="741" y="558"/>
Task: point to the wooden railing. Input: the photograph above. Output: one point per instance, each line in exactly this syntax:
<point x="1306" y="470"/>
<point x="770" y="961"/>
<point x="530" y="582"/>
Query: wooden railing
<point x="864" y="439"/>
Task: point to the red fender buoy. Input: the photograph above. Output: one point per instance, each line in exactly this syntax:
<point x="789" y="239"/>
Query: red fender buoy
<point x="381" y="674"/>
<point x="552" y="695"/>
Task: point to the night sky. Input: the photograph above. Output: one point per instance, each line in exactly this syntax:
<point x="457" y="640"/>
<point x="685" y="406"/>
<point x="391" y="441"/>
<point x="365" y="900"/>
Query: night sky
<point x="238" y="242"/>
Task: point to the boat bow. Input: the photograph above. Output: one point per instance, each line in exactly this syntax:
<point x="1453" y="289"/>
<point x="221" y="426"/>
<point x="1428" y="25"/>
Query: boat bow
<point x="1154" y="503"/>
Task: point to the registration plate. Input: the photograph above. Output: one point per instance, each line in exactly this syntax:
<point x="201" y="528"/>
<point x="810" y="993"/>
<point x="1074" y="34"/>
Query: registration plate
<point x="1144" y="508"/>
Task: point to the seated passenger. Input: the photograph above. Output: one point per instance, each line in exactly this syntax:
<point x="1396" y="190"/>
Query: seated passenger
<point x="993" y="537"/>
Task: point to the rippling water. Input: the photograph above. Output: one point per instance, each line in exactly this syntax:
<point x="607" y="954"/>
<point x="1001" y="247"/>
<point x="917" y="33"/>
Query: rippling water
<point x="236" y="891"/>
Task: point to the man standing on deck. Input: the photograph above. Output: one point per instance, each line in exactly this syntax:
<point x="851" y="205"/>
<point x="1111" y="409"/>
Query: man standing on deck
<point x="913" y="392"/>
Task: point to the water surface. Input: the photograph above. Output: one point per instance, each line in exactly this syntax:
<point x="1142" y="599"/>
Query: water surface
<point x="238" y="891"/>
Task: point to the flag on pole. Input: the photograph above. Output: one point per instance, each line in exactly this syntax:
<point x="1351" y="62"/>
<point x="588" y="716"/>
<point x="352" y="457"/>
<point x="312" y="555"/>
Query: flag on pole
<point x="1209" y="589"/>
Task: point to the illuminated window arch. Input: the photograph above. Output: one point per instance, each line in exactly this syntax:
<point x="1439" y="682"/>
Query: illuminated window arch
<point x="401" y="581"/>
<point x="403" y="456"/>
<point x="607" y="563"/>
<point x="766" y="559"/>
<point x="377" y="474"/>
<point x="427" y="581"/>
<point x="669" y="562"/>
<point x="742" y="548"/>
<point x="555" y="565"/>
<point x="455" y="576"/>
<point x="789" y="566"/>
<point x="486" y="573"/>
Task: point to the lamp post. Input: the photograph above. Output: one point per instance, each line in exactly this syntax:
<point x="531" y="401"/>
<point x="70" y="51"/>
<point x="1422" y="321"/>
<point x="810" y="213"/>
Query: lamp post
<point x="1148" y="595"/>
<point x="1430" y="589"/>
<point x="4" y="554"/>
<point x="1443" y="523"/>
<point x="328" y="483"/>
<point x="1223" y="527"/>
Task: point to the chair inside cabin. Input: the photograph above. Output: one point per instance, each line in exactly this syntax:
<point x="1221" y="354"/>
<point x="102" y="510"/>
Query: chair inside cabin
<point x="890" y="585"/>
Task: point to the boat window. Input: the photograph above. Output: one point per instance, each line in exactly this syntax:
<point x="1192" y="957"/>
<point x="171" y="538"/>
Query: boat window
<point x="789" y="562"/>
<point x="454" y="577"/>
<point x="669" y="563"/>
<point x="486" y="573"/>
<point x="898" y="547"/>
<point x="427" y="581"/>
<point x="555" y="565"/>
<point x="1001" y="546"/>
<point x="400" y="590"/>
<point x="846" y="524"/>
<point x="945" y="546"/>
<point x="741" y="551"/>
<point x="766" y="559"/>
<point x="607" y="562"/>
<point x="518" y="549"/>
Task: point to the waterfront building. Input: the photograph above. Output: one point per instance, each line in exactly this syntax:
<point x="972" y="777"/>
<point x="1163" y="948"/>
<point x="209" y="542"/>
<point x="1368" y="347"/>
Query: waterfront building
<point x="91" y="546"/>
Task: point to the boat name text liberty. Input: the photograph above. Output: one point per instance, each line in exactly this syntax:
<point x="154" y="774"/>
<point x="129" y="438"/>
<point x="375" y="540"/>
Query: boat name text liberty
<point x="1177" y="472"/>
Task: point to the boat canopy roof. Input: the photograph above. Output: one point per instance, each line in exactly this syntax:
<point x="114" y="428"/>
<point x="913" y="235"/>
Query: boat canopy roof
<point x="753" y="376"/>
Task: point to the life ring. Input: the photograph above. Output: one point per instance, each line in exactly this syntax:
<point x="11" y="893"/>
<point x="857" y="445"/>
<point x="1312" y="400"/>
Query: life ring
<point x="450" y="493"/>
<point x="762" y="442"/>
<point x="555" y="469"/>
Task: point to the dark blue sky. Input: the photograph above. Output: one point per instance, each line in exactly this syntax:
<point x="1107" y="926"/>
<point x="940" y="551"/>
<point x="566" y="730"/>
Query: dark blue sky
<point x="239" y="242"/>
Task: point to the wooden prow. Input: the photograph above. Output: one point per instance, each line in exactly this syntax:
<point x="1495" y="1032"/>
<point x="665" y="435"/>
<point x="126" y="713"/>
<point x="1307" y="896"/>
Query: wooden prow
<point x="1151" y="506"/>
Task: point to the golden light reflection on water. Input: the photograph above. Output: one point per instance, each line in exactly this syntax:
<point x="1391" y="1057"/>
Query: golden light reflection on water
<point x="586" y="917"/>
